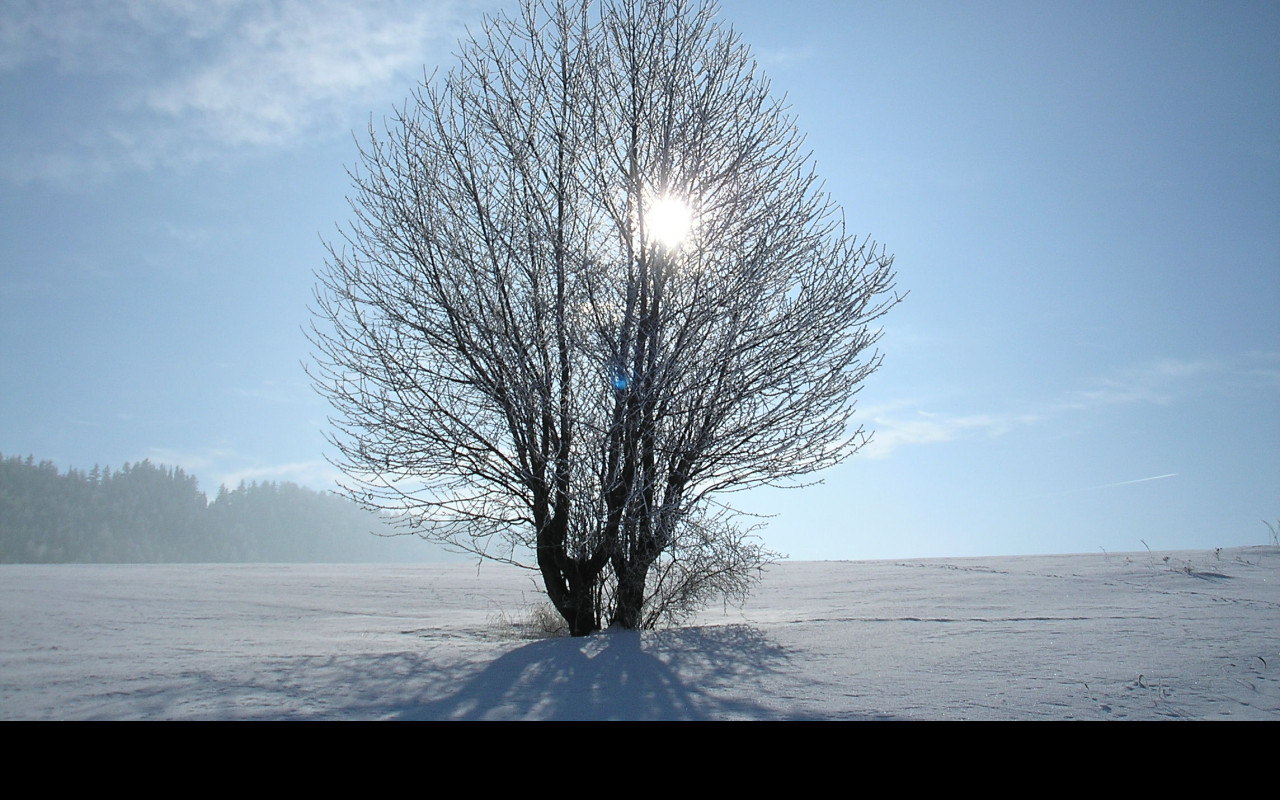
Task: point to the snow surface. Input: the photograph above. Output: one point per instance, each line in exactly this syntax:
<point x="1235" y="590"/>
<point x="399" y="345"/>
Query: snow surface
<point x="1181" y="635"/>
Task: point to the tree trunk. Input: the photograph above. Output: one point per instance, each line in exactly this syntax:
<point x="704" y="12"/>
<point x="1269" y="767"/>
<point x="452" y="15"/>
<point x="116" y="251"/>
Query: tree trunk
<point x="628" y="607"/>
<point x="580" y="611"/>
<point x="574" y="597"/>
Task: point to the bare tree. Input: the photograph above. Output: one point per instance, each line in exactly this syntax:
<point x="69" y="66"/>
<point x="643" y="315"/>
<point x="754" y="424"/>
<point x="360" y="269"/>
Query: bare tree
<point x="593" y="281"/>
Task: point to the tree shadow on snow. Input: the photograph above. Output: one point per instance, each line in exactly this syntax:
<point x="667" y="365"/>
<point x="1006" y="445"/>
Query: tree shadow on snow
<point x="618" y="675"/>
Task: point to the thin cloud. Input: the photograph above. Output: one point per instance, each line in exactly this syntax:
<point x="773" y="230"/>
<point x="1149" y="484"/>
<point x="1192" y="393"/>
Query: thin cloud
<point x="220" y="466"/>
<point x="1161" y="382"/>
<point x="274" y="391"/>
<point x="293" y="66"/>
<point x="775" y="57"/>
<point x="318" y="475"/>
<point x="190" y="81"/>
<point x="894" y="429"/>
<point x="1267" y="368"/>
<point x="1158" y="382"/>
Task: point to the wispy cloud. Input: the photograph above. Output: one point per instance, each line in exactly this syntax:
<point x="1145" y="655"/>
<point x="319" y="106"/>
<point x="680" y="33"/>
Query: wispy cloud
<point x="185" y="81"/>
<point x="282" y="392"/>
<point x="1163" y="381"/>
<point x="319" y="475"/>
<point x="777" y="57"/>
<point x="290" y="66"/>
<point x="227" y="467"/>
<point x="1265" y="367"/>
<point x="1158" y="382"/>
<point x="899" y="425"/>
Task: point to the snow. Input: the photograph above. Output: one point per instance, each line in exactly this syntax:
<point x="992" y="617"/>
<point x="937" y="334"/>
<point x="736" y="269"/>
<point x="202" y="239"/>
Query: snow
<point x="1180" y="635"/>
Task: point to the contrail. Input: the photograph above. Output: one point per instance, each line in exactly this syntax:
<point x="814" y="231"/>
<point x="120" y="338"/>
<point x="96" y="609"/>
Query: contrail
<point x="1112" y="485"/>
<point x="1136" y="480"/>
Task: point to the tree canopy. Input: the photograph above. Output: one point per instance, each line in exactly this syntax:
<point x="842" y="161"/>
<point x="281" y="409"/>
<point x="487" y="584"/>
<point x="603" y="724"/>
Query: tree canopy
<point x="593" y="283"/>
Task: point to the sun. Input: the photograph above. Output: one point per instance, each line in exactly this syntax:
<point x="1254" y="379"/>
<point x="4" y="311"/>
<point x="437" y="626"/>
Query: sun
<point x="668" y="220"/>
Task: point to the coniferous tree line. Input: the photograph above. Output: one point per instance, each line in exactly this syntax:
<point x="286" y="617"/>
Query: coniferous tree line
<point x="148" y="513"/>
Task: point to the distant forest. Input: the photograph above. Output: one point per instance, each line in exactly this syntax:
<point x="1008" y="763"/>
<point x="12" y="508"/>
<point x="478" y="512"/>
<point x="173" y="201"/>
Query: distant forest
<point x="144" y="513"/>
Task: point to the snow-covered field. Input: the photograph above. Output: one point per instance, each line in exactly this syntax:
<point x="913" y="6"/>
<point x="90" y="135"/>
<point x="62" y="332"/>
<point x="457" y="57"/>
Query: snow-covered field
<point x="1195" y="635"/>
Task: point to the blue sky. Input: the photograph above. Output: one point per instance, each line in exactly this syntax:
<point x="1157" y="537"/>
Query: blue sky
<point x="1083" y="198"/>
